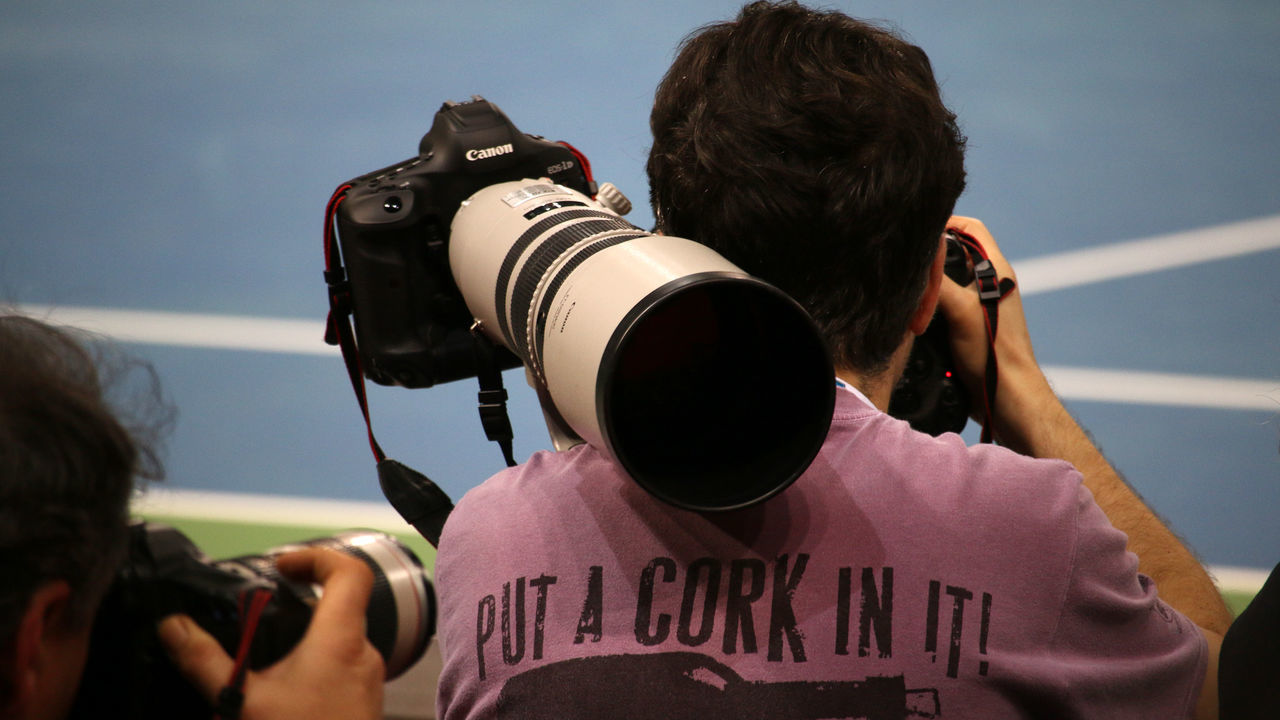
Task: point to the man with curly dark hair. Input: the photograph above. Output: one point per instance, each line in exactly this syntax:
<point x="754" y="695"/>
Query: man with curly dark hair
<point x="901" y="575"/>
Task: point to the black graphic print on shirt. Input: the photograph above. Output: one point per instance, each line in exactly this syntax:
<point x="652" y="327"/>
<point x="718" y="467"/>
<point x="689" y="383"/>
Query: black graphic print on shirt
<point x="675" y="685"/>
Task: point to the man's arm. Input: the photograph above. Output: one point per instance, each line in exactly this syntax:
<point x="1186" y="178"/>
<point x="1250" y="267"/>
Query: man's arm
<point x="1030" y="419"/>
<point x="333" y="672"/>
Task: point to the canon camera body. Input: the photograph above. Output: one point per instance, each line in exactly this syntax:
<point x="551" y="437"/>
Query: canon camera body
<point x="393" y="226"/>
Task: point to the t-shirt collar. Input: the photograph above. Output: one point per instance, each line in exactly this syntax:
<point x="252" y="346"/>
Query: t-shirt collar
<point x="848" y="387"/>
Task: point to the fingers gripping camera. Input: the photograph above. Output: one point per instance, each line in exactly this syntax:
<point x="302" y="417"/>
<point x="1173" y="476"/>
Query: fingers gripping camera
<point x="710" y="387"/>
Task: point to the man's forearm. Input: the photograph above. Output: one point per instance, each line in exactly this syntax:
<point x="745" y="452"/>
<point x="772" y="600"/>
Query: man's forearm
<point x="1049" y="431"/>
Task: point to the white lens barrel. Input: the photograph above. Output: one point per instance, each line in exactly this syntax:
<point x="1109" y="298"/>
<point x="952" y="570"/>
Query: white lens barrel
<point x="401" y="617"/>
<point x="398" y="569"/>
<point x="711" y="388"/>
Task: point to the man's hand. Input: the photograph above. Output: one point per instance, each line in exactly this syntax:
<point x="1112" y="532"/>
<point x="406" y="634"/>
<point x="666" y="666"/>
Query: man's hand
<point x="1023" y="396"/>
<point x="334" y="672"/>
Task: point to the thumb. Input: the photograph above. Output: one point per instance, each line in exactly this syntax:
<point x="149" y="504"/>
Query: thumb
<point x="196" y="653"/>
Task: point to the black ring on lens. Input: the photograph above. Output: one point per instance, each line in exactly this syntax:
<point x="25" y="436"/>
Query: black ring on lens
<point x="540" y="331"/>
<point x="521" y="244"/>
<point x="539" y="262"/>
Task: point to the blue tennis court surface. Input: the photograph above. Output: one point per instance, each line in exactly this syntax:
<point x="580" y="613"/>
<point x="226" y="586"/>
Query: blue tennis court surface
<point x="166" y="166"/>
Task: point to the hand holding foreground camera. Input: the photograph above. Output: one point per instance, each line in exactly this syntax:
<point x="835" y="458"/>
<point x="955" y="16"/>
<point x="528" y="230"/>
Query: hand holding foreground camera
<point x="333" y="672"/>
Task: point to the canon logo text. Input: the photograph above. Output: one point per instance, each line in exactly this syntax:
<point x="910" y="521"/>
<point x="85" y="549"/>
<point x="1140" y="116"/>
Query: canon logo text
<point x="489" y="152"/>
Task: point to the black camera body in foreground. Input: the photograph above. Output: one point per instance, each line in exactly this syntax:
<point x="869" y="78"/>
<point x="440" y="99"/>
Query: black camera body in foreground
<point x="128" y="673"/>
<point x="393" y="226"/>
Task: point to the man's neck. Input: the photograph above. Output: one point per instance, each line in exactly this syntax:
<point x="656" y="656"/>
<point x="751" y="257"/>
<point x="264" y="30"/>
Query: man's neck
<point x="878" y="387"/>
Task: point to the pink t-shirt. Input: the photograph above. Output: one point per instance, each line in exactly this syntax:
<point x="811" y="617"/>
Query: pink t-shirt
<point x="900" y="576"/>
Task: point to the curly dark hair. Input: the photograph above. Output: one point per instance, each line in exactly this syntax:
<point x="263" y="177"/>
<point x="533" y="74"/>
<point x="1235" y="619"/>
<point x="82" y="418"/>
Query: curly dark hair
<point x="814" y="151"/>
<point x="68" y="464"/>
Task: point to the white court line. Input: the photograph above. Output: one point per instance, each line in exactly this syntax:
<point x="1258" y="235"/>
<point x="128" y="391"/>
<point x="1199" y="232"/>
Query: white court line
<point x="1054" y="272"/>
<point x="1150" y="388"/>
<point x="269" y="509"/>
<point x="1239" y="578"/>
<point x="1035" y="275"/>
<point x="1138" y="257"/>
<point x="225" y="332"/>
<point x="229" y="332"/>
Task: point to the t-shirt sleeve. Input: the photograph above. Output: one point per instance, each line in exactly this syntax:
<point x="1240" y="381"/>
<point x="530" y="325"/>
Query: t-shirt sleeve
<point x="1119" y="650"/>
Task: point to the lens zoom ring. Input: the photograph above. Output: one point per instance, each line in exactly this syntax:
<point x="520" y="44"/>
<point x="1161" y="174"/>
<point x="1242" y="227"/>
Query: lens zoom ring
<point x="532" y="272"/>
<point x="540" y="332"/>
<point x="521" y="244"/>
<point x="382" y="617"/>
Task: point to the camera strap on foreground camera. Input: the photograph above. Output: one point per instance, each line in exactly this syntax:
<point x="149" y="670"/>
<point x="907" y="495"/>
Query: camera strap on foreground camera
<point x="419" y="501"/>
<point x="231" y="698"/>
<point x="991" y="290"/>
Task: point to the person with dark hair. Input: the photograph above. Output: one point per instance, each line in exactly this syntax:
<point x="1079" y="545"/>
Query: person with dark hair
<point x="66" y="477"/>
<point x="901" y="575"/>
<point x="776" y="159"/>
<point x="67" y="469"/>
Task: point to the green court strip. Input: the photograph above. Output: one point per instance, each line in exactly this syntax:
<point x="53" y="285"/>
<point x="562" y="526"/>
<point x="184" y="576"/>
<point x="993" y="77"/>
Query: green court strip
<point x="222" y="539"/>
<point x="225" y="525"/>
<point x="1237" y="601"/>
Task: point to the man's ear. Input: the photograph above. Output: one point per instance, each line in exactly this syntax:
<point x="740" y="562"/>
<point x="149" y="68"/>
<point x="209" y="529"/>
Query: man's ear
<point x="47" y="614"/>
<point x="923" y="315"/>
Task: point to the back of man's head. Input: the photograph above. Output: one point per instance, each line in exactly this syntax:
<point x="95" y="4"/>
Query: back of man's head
<point x="814" y="151"/>
<point x="66" y="473"/>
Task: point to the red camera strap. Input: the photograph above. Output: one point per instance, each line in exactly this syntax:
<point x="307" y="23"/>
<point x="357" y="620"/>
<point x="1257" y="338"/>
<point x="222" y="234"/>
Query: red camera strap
<point x="418" y="500"/>
<point x="338" y="330"/>
<point x="231" y="697"/>
<point x="991" y="290"/>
